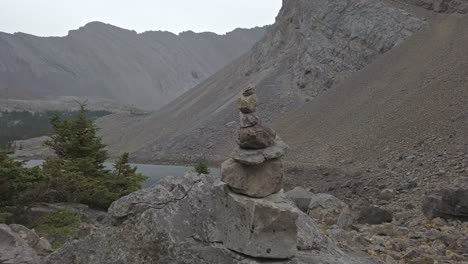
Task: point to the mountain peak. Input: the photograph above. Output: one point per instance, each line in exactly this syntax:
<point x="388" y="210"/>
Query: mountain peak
<point x="97" y="26"/>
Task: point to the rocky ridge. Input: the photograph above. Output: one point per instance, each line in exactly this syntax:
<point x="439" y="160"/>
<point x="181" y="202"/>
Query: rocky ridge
<point x="100" y="60"/>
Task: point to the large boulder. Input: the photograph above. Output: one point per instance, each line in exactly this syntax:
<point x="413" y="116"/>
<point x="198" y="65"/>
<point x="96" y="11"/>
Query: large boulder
<point x="180" y="221"/>
<point x="253" y="226"/>
<point x="14" y="249"/>
<point x="254" y="181"/>
<point x="448" y="204"/>
<point x="325" y="208"/>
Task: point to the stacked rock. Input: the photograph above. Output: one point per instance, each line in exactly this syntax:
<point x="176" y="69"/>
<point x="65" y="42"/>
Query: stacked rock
<point x="260" y="221"/>
<point x="255" y="169"/>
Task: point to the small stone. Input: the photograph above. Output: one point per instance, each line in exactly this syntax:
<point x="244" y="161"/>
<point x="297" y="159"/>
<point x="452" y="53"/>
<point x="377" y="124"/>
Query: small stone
<point x="44" y="247"/>
<point x="248" y="91"/>
<point x="386" y="194"/>
<point x="374" y="215"/>
<point x="248" y="157"/>
<point x="256" y="137"/>
<point x="301" y="197"/>
<point x="247" y="104"/>
<point x="346" y="218"/>
<point x="255" y="181"/>
<point x="439" y="221"/>
<point x="248" y="120"/>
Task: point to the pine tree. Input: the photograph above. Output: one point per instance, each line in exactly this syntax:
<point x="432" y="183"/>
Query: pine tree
<point x="18" y="185"/>
<point x="76" y="140"/>
<point x="78" y="173"/>
<point x="122" y="168"/>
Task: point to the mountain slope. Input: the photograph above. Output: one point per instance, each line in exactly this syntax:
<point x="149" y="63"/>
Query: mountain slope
<point x="413" y="101"/>
<point x="312" y="45"/>
<point x="147" y="69"/>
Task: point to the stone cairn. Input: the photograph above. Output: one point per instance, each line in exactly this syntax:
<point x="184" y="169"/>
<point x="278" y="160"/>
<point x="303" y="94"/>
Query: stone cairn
<point x="259" y="220"/>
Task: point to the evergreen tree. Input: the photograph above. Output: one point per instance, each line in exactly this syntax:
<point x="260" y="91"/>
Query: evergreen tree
<point x="78" y="173"/>
<point x="76" y="140"/>
<point x="18" y="185"/>
<point x="122" y="168"/>
<point x="126" y="179"/>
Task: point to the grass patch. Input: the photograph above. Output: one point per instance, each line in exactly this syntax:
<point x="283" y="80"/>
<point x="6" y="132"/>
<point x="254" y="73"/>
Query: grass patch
<point x="5" y="217"/>
<point x="63" y="222"/>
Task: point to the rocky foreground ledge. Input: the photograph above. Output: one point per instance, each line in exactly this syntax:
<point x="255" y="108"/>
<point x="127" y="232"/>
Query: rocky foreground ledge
<point x="180" y="221"/>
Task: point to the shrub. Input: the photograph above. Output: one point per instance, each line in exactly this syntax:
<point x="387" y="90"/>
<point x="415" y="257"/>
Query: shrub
<point x="59" y="226"/>
<point x="201" y="167"/>
<point x="63" y="221"/>
<point x="18" y="185"/>
<point x="5" y="217"/>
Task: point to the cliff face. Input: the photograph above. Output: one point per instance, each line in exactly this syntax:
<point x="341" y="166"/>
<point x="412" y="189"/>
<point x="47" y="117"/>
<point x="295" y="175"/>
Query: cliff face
<point x="312" y="45"/>
<point x="101" y="60"/>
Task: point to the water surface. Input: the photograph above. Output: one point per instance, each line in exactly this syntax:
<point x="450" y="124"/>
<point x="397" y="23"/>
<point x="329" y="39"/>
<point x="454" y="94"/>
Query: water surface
<point x="154" y="172"/>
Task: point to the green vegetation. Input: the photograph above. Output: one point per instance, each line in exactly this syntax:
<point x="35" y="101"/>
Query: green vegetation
<point x="18" y="185"/>
<point x="77" y="174"/>
<point x="201" y="167"/>
<point x="19" y="125"/>
<point x="63" y="222"/>
<point x="5" y="217"/>
<point x="133" y="110"/>
<point x="58" y="226"/>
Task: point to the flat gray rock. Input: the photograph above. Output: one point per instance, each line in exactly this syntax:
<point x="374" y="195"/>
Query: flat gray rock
<point x="258" y="156"/>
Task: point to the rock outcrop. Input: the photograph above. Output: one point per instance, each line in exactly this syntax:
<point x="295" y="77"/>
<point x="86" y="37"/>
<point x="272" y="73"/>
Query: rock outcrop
<point x="442" y="6"/>
<point x="182" y="220"/>
<point x="20" y="245"/>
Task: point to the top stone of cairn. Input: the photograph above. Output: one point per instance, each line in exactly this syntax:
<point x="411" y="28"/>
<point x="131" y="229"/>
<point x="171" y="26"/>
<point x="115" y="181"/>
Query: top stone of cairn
<point x="248" y="101"/>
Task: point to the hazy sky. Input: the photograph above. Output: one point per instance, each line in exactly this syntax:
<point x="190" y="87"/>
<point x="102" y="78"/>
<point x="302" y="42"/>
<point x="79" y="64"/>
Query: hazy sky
<point x="57" y="17"/>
